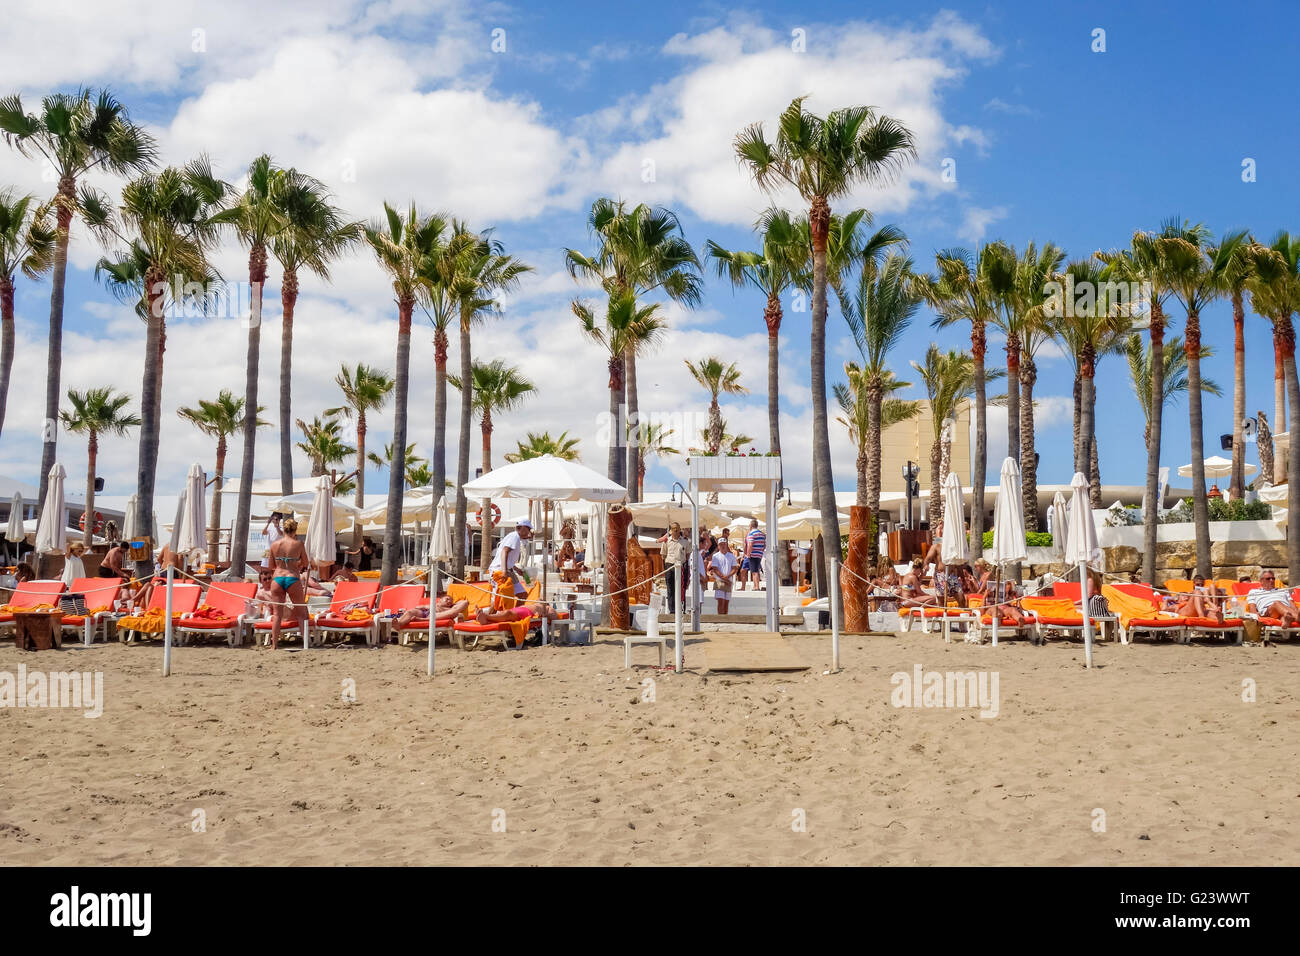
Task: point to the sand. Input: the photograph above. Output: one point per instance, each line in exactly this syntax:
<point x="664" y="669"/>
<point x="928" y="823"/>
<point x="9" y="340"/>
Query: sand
<point x="552" y="756"/>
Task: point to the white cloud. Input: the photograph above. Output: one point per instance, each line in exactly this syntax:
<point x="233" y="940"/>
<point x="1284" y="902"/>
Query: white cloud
<point x="976" y="221"/>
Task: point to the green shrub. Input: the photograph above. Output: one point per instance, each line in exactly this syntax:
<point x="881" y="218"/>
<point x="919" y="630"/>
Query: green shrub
<point x="1034" y="539"/>
<point x="1239" y="510"/>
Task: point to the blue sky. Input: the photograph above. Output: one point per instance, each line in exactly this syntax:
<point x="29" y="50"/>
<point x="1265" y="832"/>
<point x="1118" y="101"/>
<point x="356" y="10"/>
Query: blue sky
<point x="1051" y="141"/>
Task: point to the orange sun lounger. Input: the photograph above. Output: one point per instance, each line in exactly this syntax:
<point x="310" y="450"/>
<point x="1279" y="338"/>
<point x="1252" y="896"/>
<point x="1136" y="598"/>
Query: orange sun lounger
<point x="99" y="595"/>
<point x="1138" y="610"/>
<point x="222" y="612"/>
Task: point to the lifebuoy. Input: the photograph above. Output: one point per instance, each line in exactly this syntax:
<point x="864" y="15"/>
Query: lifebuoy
<point x="99" y="522"/>
<point x="496" y="516"/>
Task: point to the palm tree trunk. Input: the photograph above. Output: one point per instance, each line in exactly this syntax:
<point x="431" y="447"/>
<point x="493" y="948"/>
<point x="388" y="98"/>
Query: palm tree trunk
<point x="1195" y="416"/>
<point x="359" y="498"/>
<point x="934" y="509"/>
<point x="459" y="557"/>
<point x="214" y="536"/>
<point x="633" y="425"/>
<point x="1088" y="415"/>
<point x="88" y="517"/>
<point x="715" y="426"/>
<point x="6" y="343"/>
<point x="772" y="318"/>
<point x="396" y="468"/>
<point x="150" y="405"/>
<point x="1237" y="486"/>
<point x="1150" y="501"/>
<point x="1264" y="439"/>
<point x="1078" y="420"/>
<point x="978" y="347"/>
<point x="1094" y="458"/>
<point x="1028" y="465"/>
<point x="1279" y="401"/>
<point x="288" y="299"/>
<point x="1292" y="456"/>
<point x="485" y="558"/>
<point x="872" y="482"/>
<point x="66" y="200"/>
<point x="613" y="460"/>
<point x="440" y="347"/>
<point x="243" y="514"/>
<point x="1013" y="396"/>
<point x="824" y="487"/>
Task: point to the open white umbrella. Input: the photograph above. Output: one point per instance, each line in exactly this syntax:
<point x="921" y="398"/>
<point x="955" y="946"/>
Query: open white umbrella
<point x="1008" y="526"/>
<point x="547" y="478"/>
<point x="1216" y="466"/>
<point x="1082" y="548"/>
<point x="953" y="547"/>
<point x="320" y="523"/>
<point x="300" y="505"/>
<point x="1060" y="525"/>
<point x="51" y="529"/>
<point x="802" y="525"/>
<point x="660" y="514"/>
<point x="14" y="533"/>
<point x="192" y="536"/>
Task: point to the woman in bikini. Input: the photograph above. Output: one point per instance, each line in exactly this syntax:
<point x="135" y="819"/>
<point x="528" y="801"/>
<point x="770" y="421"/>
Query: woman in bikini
<point x="289" y="563"/>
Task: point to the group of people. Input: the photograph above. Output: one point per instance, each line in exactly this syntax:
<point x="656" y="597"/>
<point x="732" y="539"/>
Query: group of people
<point x="718" y="562"/>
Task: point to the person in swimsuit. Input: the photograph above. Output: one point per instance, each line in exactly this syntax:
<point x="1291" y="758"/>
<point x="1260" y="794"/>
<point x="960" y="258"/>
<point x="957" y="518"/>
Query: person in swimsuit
<point x="289" y="564"/>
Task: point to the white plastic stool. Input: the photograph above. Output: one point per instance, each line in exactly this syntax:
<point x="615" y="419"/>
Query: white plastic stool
<point x="651" y="635"/>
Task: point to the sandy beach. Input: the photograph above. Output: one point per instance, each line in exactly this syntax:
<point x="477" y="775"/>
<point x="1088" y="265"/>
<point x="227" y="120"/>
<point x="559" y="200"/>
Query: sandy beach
<point x="558" y="746"/>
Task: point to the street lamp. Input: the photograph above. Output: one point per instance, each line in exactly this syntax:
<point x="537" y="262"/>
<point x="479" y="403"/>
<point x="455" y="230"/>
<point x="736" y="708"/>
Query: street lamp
<point x="910" y="473"/>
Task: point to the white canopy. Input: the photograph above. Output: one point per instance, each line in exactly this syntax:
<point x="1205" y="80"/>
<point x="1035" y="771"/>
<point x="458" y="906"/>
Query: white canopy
<point x="806" y="525"/>
<point x="51" y="534"/>
<point x="953" y="547"/>
<point x="14" y="532"/>
<point x="415" y="507"/>
<point x="659" y="514"/>
<point x="1008" y="518"/>
<point x="301" y="505"/>
<point x="1216" y="466"/>
<point x="545" y="478"/>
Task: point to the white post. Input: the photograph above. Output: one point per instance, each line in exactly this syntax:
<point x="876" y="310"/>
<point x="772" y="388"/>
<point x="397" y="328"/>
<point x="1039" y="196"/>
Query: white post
<point x="433" y="612"/>
<point x="678" y="600"/>
<point x="167" y="625"/>
<point x="1087" y="621"/>
<point x="835" y="613"/>
<point x="693" y="555"/>
<point x="996" y="610"/>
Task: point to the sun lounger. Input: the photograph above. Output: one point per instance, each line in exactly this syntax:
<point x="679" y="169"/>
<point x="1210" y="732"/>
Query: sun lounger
<point x="185" y="598"/>
<point x="1060" y="615"/>
<point x="393" y="601"/>
<point x="336" y="621"/>
<point x="29" y="596"/>
<point x="222" y="612"/>
<point x="98" y="595"/>
<point x="931" y="617"/>
<point x="1138" y="610"/>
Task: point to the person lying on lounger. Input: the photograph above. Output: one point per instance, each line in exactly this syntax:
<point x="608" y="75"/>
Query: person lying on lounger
<point x="446" y="608"/>
<point x="522" y="612"/>
<point x="1271" y="601"/>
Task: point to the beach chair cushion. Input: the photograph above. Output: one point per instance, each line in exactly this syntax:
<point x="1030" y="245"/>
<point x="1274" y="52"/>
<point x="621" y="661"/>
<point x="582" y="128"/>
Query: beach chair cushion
<point x="1211" y="624"/>
<point x="1066" y="589"/>
<point x="31" y="595"/>
<point x="1137" y="606"/>
<point x="1241" y="588"/>
<point x="1178" y="586"/>
<point x="222" y="607"/>
<point x="987" y="621"/>
<point x="401" y="597"/>
<point x="1054" y="611"/>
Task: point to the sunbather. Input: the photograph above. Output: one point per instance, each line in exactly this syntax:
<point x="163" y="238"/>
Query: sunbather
<point x="1199" y="602"/>
<point x="510" y="615"/>
<point x="913" y="594"/>
<point x="1273" y="602"/>
<point x="446" y="608"/>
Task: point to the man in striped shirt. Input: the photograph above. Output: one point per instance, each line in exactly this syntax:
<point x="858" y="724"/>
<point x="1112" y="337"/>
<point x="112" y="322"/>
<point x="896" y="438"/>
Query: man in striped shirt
<point x="755" y="545"/>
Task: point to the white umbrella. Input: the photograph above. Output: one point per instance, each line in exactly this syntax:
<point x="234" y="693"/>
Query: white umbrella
<point x="803" y="525"/>
<point x="1216" y="466"/>
<point x="192" y="536"/>
<point x="557" y="516"/>
<point x="595" y="555"/>
<point x="415" y="507"/>
<point x="175" y="540"/>
<point x="1060" y="525"/>
<point x="128" y="522"/>
<point x="440" y="545"/>
<point x="301" y="505"/>
<point x="1081" y="548"/>
<point x="547" y="478"/>
<point x="51" y="531"/>
<point x="953" y="547"/>
<point x="14" y="533"/>
<point x="1008" y="526"/>
<point x="320" y="523"/>
<point x="660" y="514"/>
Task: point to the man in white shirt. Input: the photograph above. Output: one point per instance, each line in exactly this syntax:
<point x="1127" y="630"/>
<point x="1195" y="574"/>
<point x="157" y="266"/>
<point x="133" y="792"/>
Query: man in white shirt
<point x="722" y="568"/>
<point x="1270" y="601"/>
<point x="508" y="553"/>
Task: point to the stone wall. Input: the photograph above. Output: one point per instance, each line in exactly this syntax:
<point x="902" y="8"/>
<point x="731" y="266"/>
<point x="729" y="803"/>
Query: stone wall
<point x="1230" y="559"/>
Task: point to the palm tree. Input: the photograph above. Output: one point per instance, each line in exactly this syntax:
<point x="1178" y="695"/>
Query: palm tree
<point x="27" y="242"/>
<point x="1274" y="286"/>
<point x="717" y="378"/>
<point x="1173" y="382"/>
<point x="314" y="234"/>
<point x="538" y="444"/>
<point x="95" y="412"/>
<point x="384" y="462"/>
<point x="733" y="444"/>
<point x="639" y="251"/>
<point x="217" y="418"/>
<point x="1144" y="262"/>
<point x="419" y="475"/>
<point x="865" y="415"/>
<point x="878" y="314"/>
<point x="824" y="160"/>
<point x="404" y="246"/>
<point x="1196" y="283"/>
<point x="624" y="322"/>
<point x="774" y="270"/>
<point x="322" y="441"/>
<point x="654" y="438"/>
<point x="1089" y="326"/>
<point x="75" y="133"/>
<point x="364" y="390"/>
<point x="962" y="290"/>
<point x="478" y="275"/>
<point x="498" y="387"/>
<point x="168" y="225"/>
<point x="1231" y="269"/>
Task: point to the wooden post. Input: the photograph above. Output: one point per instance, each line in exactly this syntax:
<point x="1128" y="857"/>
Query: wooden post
<point x="854" y="589"/>
<point x="616" y="565"/>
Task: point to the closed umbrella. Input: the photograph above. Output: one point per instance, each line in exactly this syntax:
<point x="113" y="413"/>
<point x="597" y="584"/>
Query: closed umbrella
<point x="14" y="533"/>
<point x="1082" y="549"/>
<point x="174" y="542"/>
<point x="1008" y="526"/>
<point x="1060" y="526"/>
<point x="595" y="556"/>
<point x="128" y="522"/>
<point x="51" y="529"/>
<point x="191" y="536"/>
<point x="440" y="545"/>
<point x="320" y="523"/>
<point x="953" y="547"/>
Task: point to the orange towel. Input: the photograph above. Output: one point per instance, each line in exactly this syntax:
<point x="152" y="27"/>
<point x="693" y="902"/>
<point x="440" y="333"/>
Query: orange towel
<point x="1130" y="607"/>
